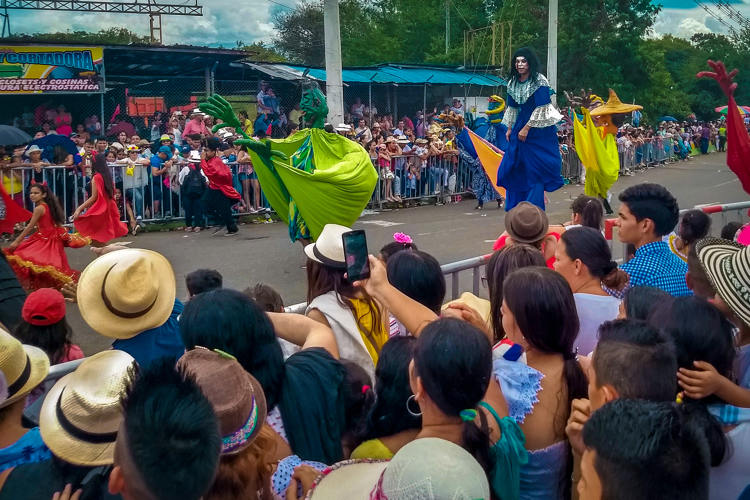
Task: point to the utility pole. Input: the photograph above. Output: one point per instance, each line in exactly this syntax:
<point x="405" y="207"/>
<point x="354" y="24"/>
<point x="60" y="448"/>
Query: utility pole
<point x="447" y="25"/>
<point x="334" y="84"/>
<point x="552" y="49"/>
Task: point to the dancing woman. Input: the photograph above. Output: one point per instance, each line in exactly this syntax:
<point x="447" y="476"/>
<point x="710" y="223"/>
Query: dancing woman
<point x="532" y="162"/>
<point x="40" y="261"/>
<point x="101" y="220"/>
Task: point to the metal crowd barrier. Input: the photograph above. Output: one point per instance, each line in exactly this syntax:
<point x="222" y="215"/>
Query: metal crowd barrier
<point x="720" y="216"/>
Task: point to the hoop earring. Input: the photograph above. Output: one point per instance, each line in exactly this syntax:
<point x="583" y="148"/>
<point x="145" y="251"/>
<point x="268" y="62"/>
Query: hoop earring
<point x="412" y="413"/>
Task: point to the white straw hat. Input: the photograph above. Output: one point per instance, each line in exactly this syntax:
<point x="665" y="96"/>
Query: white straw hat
<point x="329" y="247"/>
<point x="126" y="292"/>
<point x="82" y="412"/>
<point x="23" y="366"/>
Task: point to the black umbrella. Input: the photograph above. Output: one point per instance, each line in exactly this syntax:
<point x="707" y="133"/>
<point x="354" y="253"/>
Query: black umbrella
<point x="48" y="143"/>
<point x="12" y="136"/>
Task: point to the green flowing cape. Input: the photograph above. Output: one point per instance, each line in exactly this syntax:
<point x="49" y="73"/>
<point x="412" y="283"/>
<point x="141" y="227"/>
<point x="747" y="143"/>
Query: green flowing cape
<point x="333" y="189"/>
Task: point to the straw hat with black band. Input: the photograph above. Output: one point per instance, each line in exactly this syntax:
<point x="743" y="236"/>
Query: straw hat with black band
<point x="526" y="223"/>
<point x="727" y="265"/>
<point x="126" y="292"/>
<point x="614" y="106"/>
<point x="23" y="366"/>
<point x="82" y="412"/>
<point x="329" y="247"/>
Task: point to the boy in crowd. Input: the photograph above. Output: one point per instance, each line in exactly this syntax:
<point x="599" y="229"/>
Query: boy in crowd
<point x="645" y="450"/>
<point x="647" y="213"/>
<point x="168" y="446"/>
<point x="203" y="280"/>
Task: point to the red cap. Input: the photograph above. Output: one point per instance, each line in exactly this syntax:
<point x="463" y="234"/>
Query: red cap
<point x="43" y="307"/>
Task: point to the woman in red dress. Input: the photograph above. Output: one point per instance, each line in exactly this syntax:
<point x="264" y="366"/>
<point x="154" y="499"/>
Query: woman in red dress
<point x="101" y="221"/>
<point x="40" y="260"/>
<point x="11" y="213"/>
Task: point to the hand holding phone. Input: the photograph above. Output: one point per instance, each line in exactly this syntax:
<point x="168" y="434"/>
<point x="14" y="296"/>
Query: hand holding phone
<point x="355" y="253"/>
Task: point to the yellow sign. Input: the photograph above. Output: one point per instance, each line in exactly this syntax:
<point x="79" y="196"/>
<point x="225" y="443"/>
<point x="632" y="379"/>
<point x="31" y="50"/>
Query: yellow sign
<point x="51" y="70"/>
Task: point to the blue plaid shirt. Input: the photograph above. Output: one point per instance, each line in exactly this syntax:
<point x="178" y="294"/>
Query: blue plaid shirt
<point x="655" y="265"/>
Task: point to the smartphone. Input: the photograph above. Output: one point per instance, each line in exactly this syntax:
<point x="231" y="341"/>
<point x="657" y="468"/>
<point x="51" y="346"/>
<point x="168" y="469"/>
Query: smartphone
<point x="355" y="253"/>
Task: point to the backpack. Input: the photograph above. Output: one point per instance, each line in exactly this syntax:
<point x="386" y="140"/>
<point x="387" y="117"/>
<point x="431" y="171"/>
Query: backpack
<point x="194" y="183"/>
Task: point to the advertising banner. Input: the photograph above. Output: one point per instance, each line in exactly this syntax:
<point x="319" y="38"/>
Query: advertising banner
<point x="51" y="70"/>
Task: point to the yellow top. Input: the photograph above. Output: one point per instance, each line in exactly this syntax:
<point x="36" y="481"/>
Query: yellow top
<point x="373" y="449"/>
<point x="374" y="342"/>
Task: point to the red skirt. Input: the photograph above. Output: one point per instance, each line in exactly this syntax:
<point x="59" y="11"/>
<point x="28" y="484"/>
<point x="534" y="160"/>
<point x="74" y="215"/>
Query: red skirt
<point x="40" y="262"/>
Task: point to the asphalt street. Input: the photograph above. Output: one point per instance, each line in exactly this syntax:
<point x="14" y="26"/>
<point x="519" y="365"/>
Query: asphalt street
<point x="263" y="253"/>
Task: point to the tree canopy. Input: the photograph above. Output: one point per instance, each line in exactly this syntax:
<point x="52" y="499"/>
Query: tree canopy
<point x="601" y="44"/>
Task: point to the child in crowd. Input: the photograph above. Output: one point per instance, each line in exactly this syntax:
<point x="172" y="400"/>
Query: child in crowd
<point x="203" y="280"/>
<point x="266" y="297"/>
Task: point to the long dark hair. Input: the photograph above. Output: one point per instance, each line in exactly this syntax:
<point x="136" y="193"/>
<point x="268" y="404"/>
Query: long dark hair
<point x="588" y="245"/>
<point x="454" y="362"/>
<point x="500" y="265"/>
<point x="239" y="327"/>
<point x="418" y="275"/>
<point x="532" y="59"/>
<point x="590" y="209"/>
<point x="55" y="339"/>
<point x="389" y="416"/>
<point x="545" y="311"/>
<point x="323" y="279"/>
<point x="700" y="333"/>
<point x="100" y="167"/>
<point x="53" y="204"/>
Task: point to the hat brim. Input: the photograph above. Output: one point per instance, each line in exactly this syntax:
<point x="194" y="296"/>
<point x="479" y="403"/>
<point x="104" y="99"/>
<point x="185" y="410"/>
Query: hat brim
<point x="309" y="251"/>
<point x="262" y="409"/>
<point x="350" y="479"/>
<point x="62" y="444"/>
<point x="713" y="254"/>
<point x="38" y="372"/>
<point x="95" y="312"/>
<point x="615" y="109"/>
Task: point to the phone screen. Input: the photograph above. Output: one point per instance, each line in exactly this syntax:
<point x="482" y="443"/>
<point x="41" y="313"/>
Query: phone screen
<point x="355" y="253"/>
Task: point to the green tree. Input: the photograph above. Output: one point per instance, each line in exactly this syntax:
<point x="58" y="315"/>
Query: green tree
<point x="109" y="36"/>
<point x="261" y="52"/>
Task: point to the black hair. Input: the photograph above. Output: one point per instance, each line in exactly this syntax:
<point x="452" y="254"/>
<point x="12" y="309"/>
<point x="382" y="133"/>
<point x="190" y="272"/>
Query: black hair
<point x="694" y="225"/>
<point x="700" y="333"/>
<point x="500" y="265"/>
<point x="52" y="202"/>
<point x="655" y="202"/>
<point x="54" y="339"/>
<point x="730" y="230"/>
<point x="588" y="245"/>
<point x="532" y="59"/>
<point x="240" y="328"/>
<point x="590" y="210"/>
<point x="172" y="433"/>
<point x="640" y="301"/>
<point x="394" y="247"/>
<point x="544" y="309"/>
<point x="266" y="297"/>
<point x="418" y="275"/>
<point x="213" y="143"/>
<point x="359" y="397"/>
<point x="648" y="450"/>
<point x="388" y="415"/>
<point x="454" y="362"/>
<point x="636" y="359"/>
<point x="203" y="280"/>
<point x="100" y="167"/>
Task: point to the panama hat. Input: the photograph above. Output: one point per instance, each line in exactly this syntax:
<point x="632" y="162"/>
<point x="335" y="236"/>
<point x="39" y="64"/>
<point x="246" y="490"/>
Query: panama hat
<point x="727" y="265"/>
<point x="33" y="149"/>
<point x="236" y="396"/>
<point x="82" y="412"/>
<point x="329" y="248"/>
<point x="526" y="223"/>
<point x="426" y="468"/>
<point x="614" y="106"/>
<point x="196" y="111"/>
<point x="402" y="139"/>
<point x="23" y="366"/>
<point x="195" y="157"/>
<point x="123" y="293"/>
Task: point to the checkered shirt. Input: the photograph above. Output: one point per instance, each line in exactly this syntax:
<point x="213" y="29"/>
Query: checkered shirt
<point x="655" y="265"/>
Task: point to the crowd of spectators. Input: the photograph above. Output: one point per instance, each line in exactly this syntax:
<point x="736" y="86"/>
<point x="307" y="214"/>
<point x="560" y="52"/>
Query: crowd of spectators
<point x="577" y="375"/>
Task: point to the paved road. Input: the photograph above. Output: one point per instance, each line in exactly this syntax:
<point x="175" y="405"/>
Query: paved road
<point x="263" y="253"/>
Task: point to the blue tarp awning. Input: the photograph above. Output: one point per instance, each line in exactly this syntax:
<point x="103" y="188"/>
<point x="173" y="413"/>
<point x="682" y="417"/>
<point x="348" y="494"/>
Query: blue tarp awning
<point x="386" y="74"/>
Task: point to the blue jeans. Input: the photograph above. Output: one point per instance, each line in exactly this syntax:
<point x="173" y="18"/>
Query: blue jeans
<point x="135" y="195"/>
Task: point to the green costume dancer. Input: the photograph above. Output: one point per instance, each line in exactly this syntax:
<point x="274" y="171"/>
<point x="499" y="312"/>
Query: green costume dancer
<point x="311" y="178"/>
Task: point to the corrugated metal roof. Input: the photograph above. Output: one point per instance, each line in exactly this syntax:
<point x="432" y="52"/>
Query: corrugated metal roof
<point x="386" y="74"/>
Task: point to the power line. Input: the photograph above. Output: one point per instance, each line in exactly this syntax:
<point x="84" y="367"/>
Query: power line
<point x="733" y="33"/>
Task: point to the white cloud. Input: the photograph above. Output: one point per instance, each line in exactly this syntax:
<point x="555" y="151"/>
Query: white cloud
<point x="224" y="22"/>
<point x="686" y="22"/>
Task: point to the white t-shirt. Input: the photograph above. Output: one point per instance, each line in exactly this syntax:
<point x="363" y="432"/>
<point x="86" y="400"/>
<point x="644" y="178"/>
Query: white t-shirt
<point x="593" y="310"/>
<point x="730" y="478"/>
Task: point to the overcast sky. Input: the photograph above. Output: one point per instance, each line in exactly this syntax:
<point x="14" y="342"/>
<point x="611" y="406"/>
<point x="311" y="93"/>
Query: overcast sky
<point x="226" y="21"/>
